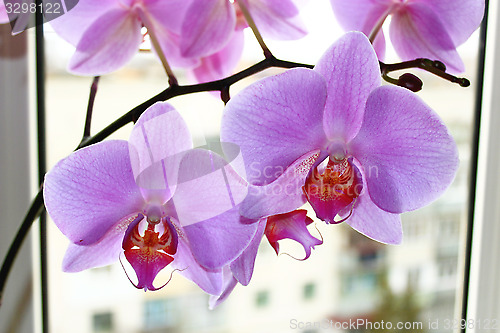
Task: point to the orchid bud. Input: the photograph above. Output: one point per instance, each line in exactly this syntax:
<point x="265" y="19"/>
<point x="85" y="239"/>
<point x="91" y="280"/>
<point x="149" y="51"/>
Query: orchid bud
<point x="410" y="81"/>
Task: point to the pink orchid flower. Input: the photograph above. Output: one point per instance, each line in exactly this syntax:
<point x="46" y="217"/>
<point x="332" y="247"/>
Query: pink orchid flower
<point x="334" y="137"/>
<point x="292" y="225"/>
<point x="210" y="24"/>
<point x="419" y="28"/>
<point x="222" y="63"/>
<point x="4" y="18"/>
<point x="107" y="33"/>
<point x="153" y="200"/>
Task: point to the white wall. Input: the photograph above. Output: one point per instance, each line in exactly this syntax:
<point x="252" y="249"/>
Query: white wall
<point x="16" y="312"/>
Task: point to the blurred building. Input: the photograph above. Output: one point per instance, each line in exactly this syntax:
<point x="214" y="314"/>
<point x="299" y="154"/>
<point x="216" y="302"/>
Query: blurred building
<point x="348" y="278"/>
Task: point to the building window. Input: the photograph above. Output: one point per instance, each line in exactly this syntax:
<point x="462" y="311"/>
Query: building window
<point x="447" y="267"/>
<point x="262" y="299"/>
<point x="159" y="313"/>
<point x="309" y="291"/>
<point x="359" y="283"/>
<point x="102" y="322"/>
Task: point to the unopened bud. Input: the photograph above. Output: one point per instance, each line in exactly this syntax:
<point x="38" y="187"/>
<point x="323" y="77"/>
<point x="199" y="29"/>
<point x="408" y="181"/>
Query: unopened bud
<point x="439" y="65"/>
<point x="410" y="81"/>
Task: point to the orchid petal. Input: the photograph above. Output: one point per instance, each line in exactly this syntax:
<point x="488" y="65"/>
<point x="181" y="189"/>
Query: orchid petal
<point x="242" y="267"/>
<point x="275" y="121"/>
<point x="72" y="25"/>
<point x="157" y="143"/>
<point x="351" y="70"/>
<point x="368" y="219"/>
<point x="460" y="18"/>
<point x="101" y="253"/>
<point x="408" y="155"/>
<point x="91" y="190"/>
<point x="207" y="202"/>
<point x="81" y="257"/>
<point x="277" y="19"/>
<point x="284" y="194"/>
<point x="207" y="27"/>
<point x="417" y="32"/>
<point x="222" y="63"/>
<point x="170" y="45"/>
<point x="355" y="15"/>
<point x="291" y="225"/>
<point x="207" y="187"/>
<point x="4" y="18"/>
<point x="160" y="132"/>
<point x="156" y="16"/>
<point x="209" y="281"/>
<point x="109" y="43"/>
<point x="229" y="283"/>
<point x="170" y="13"/>
<point x="363" y="15"/>
<point x="221" y="239"/>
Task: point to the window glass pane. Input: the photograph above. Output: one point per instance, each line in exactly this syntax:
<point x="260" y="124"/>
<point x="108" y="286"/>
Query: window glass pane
<point x="262" y="299"/>
<point x="309" y="291"/>
<point x="349" y="278"/>
<point x="160" y="313"/>
<point x="102" y="322"/>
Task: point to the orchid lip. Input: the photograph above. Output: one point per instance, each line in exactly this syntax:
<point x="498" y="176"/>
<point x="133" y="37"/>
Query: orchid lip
<point x="335" y="188"/>
<point x="151" y="251"/>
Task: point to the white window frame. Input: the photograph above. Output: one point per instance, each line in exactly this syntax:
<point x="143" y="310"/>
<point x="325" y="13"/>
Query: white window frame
<point x="484" y="293"/>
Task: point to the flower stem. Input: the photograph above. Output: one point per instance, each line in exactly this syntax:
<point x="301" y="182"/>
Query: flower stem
<point x="90" y="108"/>
<point x="172" y="80"/>
<point x="253" y="26"/>
<point x="33" y="213"/>
<point x="37" y="205"/>
<point x="376" y="29"/>
<point x="178" y="90"/>
<point x="435" y="67"/>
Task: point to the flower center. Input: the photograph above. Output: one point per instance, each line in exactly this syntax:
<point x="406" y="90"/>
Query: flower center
<point x="152" y="251"/>
<point x="154" y="214"/>
<point x="332" y="190"/>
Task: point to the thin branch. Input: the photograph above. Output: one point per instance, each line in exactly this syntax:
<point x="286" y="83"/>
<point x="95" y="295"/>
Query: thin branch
<point x="33" y="213"/>
<point x="221" y="85"/>
<point x="172" y="80"/>
<point x="90" y="108"/>
<point x="174" y="91"/>
<point x="435" y="67"/>
<point x="253" y="26"/>
<point x="37" y="205"/>
<point x="378" y="26"/>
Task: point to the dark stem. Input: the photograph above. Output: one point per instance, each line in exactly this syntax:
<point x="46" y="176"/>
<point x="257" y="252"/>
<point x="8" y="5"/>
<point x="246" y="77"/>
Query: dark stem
<point x="42" y="164"/>
<point x="225" y="96"/>
<point x="253" y="26"/>
<point x="435" y="67"/>
<point x="90" y="107"/>
<point x="34" y="212"/>
<point x="174" y="91"/>
<point x="222" y="85"/>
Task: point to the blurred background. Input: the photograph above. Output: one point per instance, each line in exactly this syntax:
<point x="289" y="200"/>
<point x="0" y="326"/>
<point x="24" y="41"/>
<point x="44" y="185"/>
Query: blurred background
<point x="348" y="278"/>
